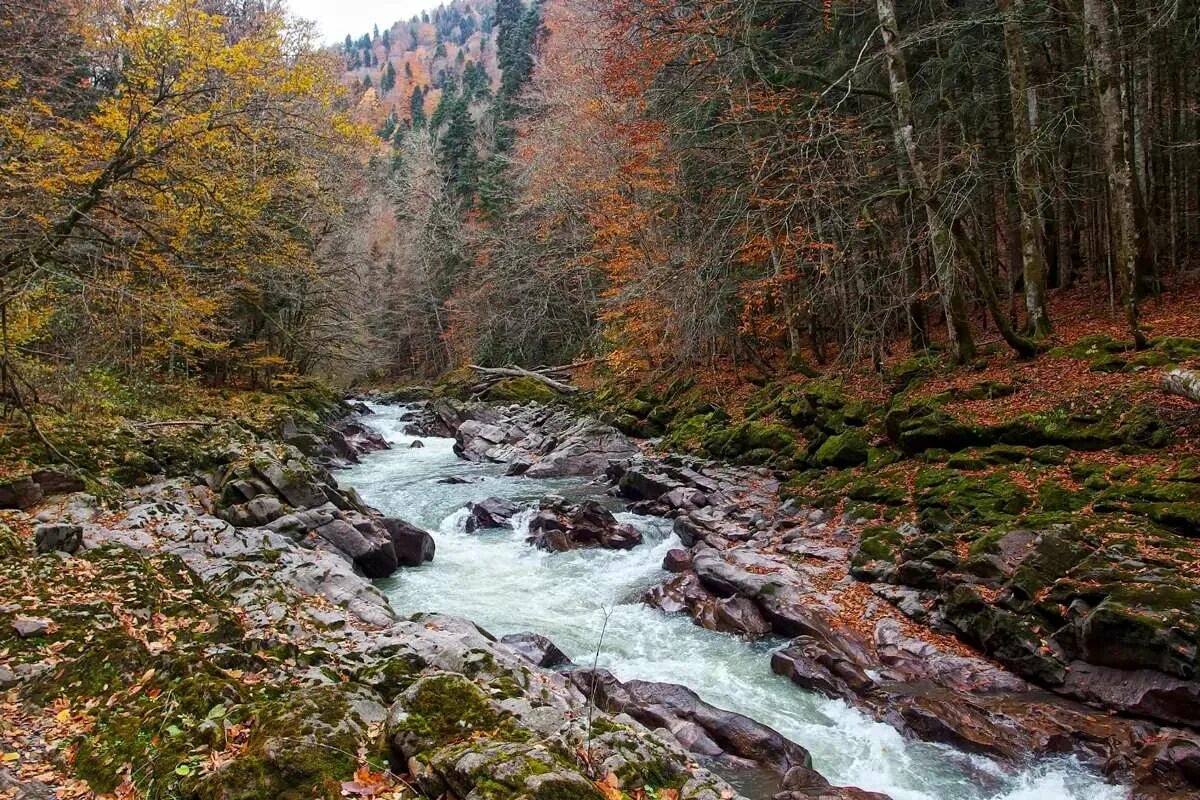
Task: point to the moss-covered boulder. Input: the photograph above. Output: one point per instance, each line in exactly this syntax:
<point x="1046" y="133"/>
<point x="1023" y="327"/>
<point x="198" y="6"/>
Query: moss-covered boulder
<point x="303" y="745"/>
<point x="521" y="390"/>
<point x="847" y="449"/>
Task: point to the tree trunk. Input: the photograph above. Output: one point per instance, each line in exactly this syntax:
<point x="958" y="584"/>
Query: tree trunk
<point x="1102" y="46"/>
<point x="1022" y="101"/>
<point x="940" y="240"/>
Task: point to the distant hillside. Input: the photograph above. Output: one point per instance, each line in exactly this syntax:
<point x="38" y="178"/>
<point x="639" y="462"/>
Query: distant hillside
<point x="400" y="72"/>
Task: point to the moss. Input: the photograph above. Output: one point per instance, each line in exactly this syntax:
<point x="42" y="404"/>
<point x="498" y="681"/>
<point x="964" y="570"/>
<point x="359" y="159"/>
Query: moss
<point x="878" y="543"/>
<point x="443" y="708"/>
<point x="1053" y="496"/>
<point x="844" y="450"/>
<point x="391" y="677"/>
<point x="12" y="545"/>
<point x="521" y="390"/>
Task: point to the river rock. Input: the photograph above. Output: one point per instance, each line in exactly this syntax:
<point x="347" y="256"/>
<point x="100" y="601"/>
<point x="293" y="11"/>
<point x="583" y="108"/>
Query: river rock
<point x="62" y="536"/>
<point x="413" y="546"/>
<point x="702" y="728"/>
<point x="370" y="548"/>
<point x="677" y="560"/>
<point x="560" y="526"/>
<point x="20" y="493"/>
<point x="536" y="649"/>
<point x="494" y="512"/>
<point x="540" y="442"/>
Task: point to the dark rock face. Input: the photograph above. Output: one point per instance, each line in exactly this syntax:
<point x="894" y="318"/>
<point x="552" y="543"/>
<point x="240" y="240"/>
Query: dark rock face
<point x="20" y="493"/>
<point x="494" y="512"/>
<point x="61" y="536"/>
<point x="536" y="649"/>
<point x="560" y="526"/>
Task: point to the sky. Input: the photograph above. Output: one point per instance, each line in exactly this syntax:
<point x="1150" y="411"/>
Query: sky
<point x="336" y="18"/>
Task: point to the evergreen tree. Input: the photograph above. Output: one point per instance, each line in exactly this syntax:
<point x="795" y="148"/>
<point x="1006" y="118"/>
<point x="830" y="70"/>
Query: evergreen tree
<point x="417" y="107"/>
<point x="349" y="45"/>
<point x="366" y="81"/>
<point x="408" y="73"/>
<point x="388" y="81"/>
<point x="456" y="149"/>
<point x="375" y="33"/>
<point x="387" y="41"/>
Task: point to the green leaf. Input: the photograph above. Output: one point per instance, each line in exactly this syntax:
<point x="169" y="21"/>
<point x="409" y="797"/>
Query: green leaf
<point x="216" y="712"/>
<point x="183" y="770"/>
<point x="174" y="730"/>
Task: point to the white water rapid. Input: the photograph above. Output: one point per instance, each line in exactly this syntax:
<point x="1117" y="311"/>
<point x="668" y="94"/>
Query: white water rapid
<point x="506" y="586"/>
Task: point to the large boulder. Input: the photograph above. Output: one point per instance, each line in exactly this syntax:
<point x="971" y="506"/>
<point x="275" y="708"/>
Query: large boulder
<point x="560" y="526"/>
<point x="413" y="546"/>
<point x="702" y="728"/>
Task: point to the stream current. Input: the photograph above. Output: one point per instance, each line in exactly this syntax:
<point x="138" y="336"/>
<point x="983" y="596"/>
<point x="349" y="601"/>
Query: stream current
<point x="506" y="586"/>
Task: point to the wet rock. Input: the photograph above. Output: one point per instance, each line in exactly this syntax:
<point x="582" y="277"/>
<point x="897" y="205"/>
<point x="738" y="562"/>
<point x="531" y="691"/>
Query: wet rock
<point x="677" y="560"/>
<point x="494" y="512"/>
<point x="29" y="627"/>
<point x="540" y="442"/>
<point x="1142" y="693"/>
<point x="698" y="726"/>
<point x="413" y="546"/>
<point x="560" y="526"/>
<point x="680" y="593"/>
<point x="62" y="536"/>
<point x="536" y="649"/>
<point x="371" y="550"/>
<point x="817" y="666"/>
<point x="736" y="615"/>
<point x="416" y="444"/>
<point x="293" y="482"/>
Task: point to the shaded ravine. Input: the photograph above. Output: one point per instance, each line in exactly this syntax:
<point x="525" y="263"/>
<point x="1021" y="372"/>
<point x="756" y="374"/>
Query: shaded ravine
<point x="506" y="586"/>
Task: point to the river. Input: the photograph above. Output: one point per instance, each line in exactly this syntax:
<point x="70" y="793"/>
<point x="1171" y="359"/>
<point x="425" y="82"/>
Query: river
<point x="497" y="580"/>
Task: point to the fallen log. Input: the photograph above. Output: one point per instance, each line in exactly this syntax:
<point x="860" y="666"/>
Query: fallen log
<point x="493" y="374"/>
<point x="1183" y="382"/>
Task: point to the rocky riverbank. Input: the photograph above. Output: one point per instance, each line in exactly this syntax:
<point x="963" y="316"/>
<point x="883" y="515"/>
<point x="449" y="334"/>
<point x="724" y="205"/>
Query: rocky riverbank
<point x="901" y="646"/>
<point x="218" y="636"/>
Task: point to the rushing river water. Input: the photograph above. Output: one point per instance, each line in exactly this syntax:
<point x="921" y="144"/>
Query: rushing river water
<point x="506" y="586"/>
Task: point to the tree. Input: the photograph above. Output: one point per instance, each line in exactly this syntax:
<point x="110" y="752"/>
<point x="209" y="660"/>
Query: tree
<point x="417" y="108"/>
<point x="1103" y="46"/>
<point x="133" y="183"/>
<point x="388" y="80"/>
<point x="1023" y="105"/>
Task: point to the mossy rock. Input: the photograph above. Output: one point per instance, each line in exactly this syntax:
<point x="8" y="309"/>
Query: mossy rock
<point x="12" y="545"/>
<point x="923" y="425"/>
<point x="439" y="709"/>
<point x="521" y="390"/>
<point x="847" y="449"/>
<point x="302" y="745"/>
<point x="877" y="552"/>
<point x="1002" y="634"/>
<point x="1053" y="496"/>
<point x="408" y="394"/>
<point x="950" y="500"/>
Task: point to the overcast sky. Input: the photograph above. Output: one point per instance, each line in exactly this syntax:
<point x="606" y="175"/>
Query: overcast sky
<point x="336" y="18"/>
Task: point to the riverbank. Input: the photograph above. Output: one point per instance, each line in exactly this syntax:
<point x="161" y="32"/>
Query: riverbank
<point x="217" y="635"/>
<point x="756" y="567"/>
